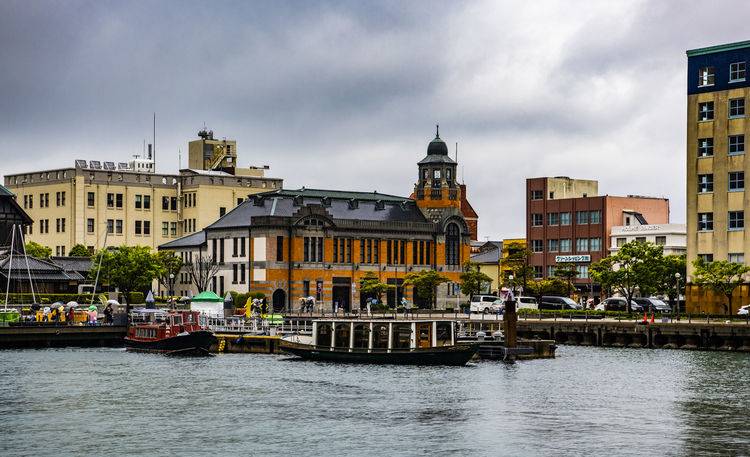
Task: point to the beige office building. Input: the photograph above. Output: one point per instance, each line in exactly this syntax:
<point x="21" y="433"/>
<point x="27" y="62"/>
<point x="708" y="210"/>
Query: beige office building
<point x="717" y="127"/>
<point x="129" y="204"/>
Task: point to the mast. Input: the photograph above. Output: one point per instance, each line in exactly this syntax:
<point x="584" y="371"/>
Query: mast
<point x="28" y="269"/>
<point x="10" y="264"/>
<point x="99" y="267"/>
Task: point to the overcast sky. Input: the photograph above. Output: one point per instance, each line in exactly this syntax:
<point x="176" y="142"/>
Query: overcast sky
<point x="345" y="95"/>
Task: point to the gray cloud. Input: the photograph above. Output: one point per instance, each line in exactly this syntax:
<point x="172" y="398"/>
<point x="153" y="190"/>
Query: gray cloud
<point x="346" y="94"/>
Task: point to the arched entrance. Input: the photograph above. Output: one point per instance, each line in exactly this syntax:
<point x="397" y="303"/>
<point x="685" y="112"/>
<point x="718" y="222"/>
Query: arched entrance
<point x="278" y="300"/>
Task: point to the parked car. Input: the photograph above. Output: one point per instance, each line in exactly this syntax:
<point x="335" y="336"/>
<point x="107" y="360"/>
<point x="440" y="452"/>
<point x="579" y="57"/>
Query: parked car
<point x="619" y="304"/>
<point x="526" y="302"/>
<point x="484" y="304"/>
<point x="744" y="310"/>
<point x="653" y="304"/>
<point x="551" y="302"/>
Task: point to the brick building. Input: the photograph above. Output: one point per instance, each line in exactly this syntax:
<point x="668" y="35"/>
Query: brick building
<point x="568" y="222"/>
<point x="308" y="242"/>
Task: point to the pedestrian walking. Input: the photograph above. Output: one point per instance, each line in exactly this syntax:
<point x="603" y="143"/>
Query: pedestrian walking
<point x="108" y="313"/>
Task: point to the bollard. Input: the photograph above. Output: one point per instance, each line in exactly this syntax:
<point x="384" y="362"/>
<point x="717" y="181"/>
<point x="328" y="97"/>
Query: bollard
<point x="509" y="321"/>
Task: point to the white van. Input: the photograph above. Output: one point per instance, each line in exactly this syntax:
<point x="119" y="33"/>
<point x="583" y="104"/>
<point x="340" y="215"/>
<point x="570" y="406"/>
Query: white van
<point x="526" y="302"/>
<point x="485" y="304"/>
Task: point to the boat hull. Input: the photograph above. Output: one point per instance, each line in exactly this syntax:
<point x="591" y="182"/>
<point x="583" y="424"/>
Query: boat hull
<point x="446" y="355"/>
<point x="193" y="343"/>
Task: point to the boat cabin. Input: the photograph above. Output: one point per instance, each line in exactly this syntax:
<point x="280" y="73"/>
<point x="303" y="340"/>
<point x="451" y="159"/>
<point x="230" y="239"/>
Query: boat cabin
<point x="148" y="324"/>
<point x="379" y="335"/>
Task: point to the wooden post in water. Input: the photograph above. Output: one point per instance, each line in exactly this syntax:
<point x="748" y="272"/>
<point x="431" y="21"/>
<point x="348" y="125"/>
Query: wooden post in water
<point x="510" y="322"/>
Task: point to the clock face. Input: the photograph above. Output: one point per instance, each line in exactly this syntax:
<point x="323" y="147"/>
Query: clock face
<point x="436" y="174"/>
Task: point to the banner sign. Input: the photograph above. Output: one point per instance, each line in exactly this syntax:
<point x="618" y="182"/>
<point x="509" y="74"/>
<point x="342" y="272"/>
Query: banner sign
<point x="572" y="258"/>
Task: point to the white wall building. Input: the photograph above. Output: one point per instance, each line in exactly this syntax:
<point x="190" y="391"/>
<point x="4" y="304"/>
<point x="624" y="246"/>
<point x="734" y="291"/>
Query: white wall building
<point x="672" y="236"/>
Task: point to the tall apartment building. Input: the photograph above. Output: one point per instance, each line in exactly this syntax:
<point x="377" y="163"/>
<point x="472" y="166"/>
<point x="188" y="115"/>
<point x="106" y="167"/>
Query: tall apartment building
<point x="717" y="93"/>
<point x="131" y="204"/>
<point x="567" y="221"/>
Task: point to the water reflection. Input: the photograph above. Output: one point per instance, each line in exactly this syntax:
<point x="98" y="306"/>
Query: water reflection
<point x="588" y="401"/>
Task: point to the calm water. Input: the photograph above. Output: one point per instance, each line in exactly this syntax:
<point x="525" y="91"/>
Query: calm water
<point x="588" y="401"/>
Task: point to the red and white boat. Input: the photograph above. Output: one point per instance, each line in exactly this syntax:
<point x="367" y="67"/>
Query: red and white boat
<point x="168" y="332"/>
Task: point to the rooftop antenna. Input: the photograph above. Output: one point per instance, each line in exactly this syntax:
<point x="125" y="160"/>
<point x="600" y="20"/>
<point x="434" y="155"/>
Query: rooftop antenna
<point x="437" y="130"/>
<point x="179" y="159"/>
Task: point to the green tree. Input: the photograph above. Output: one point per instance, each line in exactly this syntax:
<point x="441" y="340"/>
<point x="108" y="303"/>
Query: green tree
<point x="472" y="279"/>
<point x="79" y="250"/>
<point x="37" y="250"/>
<point x="373" y="287"/>
<point x="668" y="283"/>
<point x="720" y="276"/>
<point x="168" y="264"/>
<point x="517" y="264"/>
<point x="425" y="284"/>
<point x="551" y="286"/>
<point x="130" y="268"/>
<point x="635" y="266"/>
<point x="567" y="272"/>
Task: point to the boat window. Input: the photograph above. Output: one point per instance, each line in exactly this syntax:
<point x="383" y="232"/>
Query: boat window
<point x="443" y="334"/>
<point x="176" y="320"/>
<point x="342" y="335"/>
<point x="362" y="336"/>
<point x="324" y="334"/>
<point x="424" y="335"/>
<point x="380" y="336"/>
<point x="401" y="336"/>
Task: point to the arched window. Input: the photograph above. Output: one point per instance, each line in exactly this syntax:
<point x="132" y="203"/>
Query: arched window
<point x="452" y="243"/>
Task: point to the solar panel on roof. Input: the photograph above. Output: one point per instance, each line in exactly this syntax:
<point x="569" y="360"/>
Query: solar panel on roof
<point x="122" y="166"/>
<point x="95" y="164"/>
<point x="109" y="165"/>
<point x="81" y="164"/>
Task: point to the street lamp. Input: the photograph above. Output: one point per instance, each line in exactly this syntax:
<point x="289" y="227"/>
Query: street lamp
<point x="171" y="286"/>
<point x="677" y="304"/>
<point x="512" y="286"/>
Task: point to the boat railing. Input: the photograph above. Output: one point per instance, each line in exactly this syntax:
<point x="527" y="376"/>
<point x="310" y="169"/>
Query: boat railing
<point x="255" y="325"/>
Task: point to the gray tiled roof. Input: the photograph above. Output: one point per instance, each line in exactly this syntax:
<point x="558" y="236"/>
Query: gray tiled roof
<point x="39" y="269"/>
<point x="72" y="263"/>
<point x="194" y="239"/>
<point x="281" y="203"/>
<point x="490" y="256"/>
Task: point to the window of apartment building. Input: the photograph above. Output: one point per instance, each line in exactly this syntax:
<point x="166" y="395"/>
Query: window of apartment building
<point x="60" y="225"/>
<point x="661" y="240"/>
<point x="553" y="218"/>
<point x="706" y="76"/>
<point x="640" y="239"/>
<point x="582" y="245"/>
<point x="620" y="242"/>
<point x="242" y="273"/>
<point x="537" y="245"/>
<point x="222" y="211"/>
<point x="279" y="248"/>
<point x="736" y="220"/>
<point x="60" y="198"/>
<point x="60" y="251"/>
<point x="173" y="203"/>
<point x="736" y="107"/>
<point x="737" y="257"/>
<point x="736" y="144"/>
<point x="553" y="245"/>
<point x="26" y="201"/>
<point x="118" y="226"/>
<point x="736" y="180"/>
<point x="538" y="272"/>
<point x="165" y="229"/>
<point x="173" y="228"/>
<point x="118" y="200"/>
<point x="537" y="219"/>
<point x="595" y="244"/>
<point x="705" y="183"/>
<point x="705" y="147"/>
<point x="146" y="228"/>
<point x="736" y="72"/>
<point x="582" y="217"/>
<point x="90" y="225"/>
<point x="537" y="194"/>
<point x="564" y="218"/>
<point x="110" y="226"/>
<point x="313" y="249"/>
<point x="221" y="251"/>
<point x="44" y="200"/>
<point x="242" y="246"/>
<point x="705" y="111"/>
<point x="235" y="246"/>
<point x="565" y="245"/>
<point x="146" y="202"/>
<point x="705" y="221"/>
<point x="551" y="271"/>
<point x="165" y="203"/>
<point x="138" y="201"/>
<point x="110" y="200"/>
<point x="235" y="270"/>
<point x="583" y="271"/>
<point x="90" y="199"/>
<point x="706" y="257"/>
<point x="138" y="228"/>
<point x="43" y="224"/>
<point x="595" y="217"/>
